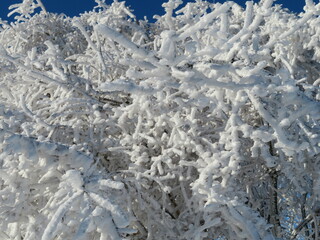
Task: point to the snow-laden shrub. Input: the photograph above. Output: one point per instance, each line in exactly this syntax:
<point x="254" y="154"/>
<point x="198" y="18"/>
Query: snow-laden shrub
<point x="202" y="125"/>
<point x="52" y="190"/>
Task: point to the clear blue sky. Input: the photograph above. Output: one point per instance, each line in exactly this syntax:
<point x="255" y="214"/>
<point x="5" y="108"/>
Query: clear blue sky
<point x="141" y="7"/>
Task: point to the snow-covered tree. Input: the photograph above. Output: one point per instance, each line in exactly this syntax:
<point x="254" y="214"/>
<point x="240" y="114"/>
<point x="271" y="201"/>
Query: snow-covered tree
<point x="204" y="124"/>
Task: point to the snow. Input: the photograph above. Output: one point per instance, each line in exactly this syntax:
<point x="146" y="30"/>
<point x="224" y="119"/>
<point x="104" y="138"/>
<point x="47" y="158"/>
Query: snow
<point x="50" y="231"/>
<point x="201" y="125"/>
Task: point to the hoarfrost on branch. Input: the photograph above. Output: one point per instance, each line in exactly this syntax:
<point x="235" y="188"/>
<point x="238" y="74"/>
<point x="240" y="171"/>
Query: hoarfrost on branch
<point x="204" y="124"/>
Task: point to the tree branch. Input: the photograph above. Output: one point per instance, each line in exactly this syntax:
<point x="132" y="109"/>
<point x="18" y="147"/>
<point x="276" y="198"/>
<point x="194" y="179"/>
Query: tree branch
<point x="301" y="226"/>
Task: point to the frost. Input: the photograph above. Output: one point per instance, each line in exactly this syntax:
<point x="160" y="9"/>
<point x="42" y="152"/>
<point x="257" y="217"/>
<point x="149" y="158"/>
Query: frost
<point x="111" y="184"/>
<point x="201" y="125"/>
<point x="50" y="231"/>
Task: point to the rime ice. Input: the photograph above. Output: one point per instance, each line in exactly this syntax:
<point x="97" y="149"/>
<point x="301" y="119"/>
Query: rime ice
<point x="201" y="125"/>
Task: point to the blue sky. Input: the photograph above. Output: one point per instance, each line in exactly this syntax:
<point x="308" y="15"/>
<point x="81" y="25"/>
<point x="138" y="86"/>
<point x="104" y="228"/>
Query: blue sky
<point x="141" y="7"/>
